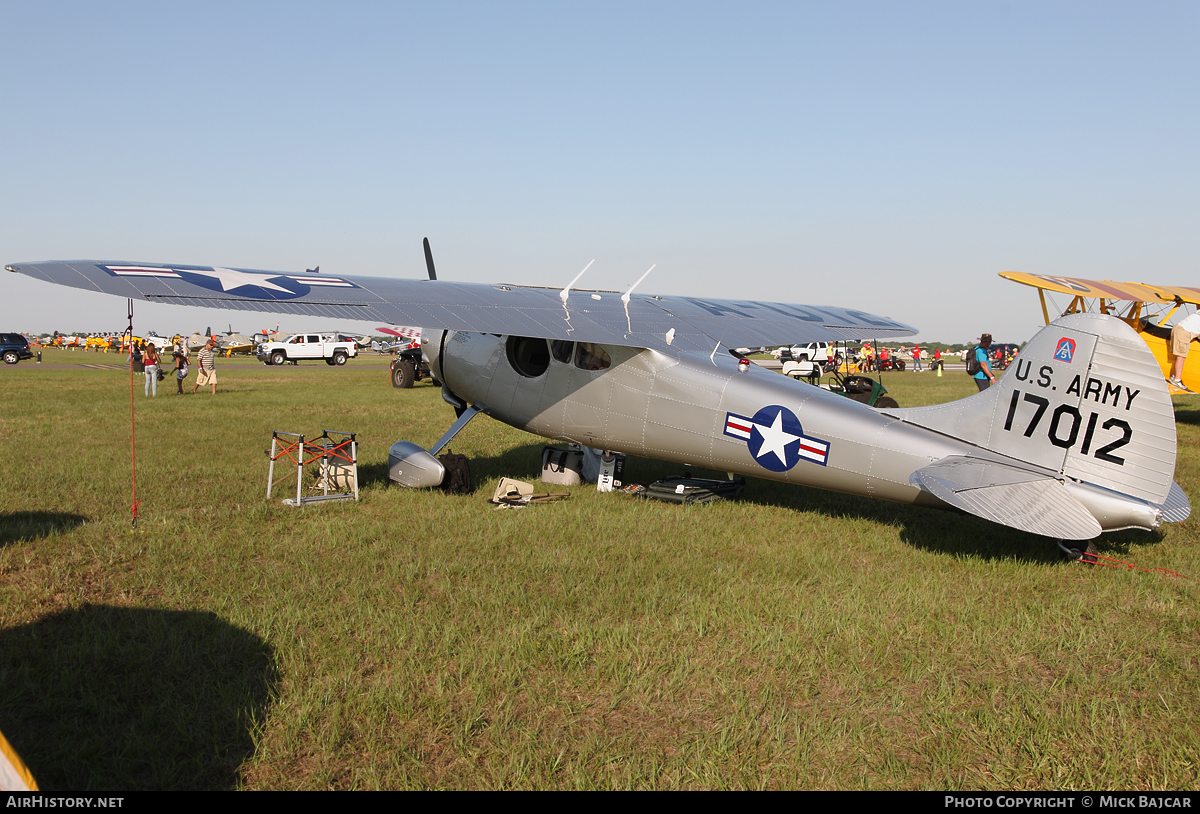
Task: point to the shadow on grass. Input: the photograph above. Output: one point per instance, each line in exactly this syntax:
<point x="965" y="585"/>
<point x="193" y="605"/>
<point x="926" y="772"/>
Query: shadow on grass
<point x="950" y="532"/>
<point x="103" y="698"/>
<point x="523" y="463"/>
<point x="24" y="527"/>
<point x="1187" y="416"/>
<point x="944" y="531"/>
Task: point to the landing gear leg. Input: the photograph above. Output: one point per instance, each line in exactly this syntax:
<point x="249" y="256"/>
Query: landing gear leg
<point x="466" y="416"/>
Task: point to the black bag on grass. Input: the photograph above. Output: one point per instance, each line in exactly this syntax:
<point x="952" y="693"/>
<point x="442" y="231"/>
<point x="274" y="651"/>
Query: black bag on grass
<point x="457" y="480"/>
<point x="694" y="490"/>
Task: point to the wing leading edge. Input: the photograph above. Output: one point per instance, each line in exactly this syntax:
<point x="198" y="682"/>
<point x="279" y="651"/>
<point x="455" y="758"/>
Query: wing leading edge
<point x="662" y="323"/>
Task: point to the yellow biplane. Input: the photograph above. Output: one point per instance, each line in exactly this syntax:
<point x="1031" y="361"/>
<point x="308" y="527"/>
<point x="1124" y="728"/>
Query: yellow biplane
<point x="1146" y="308"/>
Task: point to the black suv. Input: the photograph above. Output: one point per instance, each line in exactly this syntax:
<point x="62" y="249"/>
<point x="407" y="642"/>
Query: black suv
<point x="14" y="348"/>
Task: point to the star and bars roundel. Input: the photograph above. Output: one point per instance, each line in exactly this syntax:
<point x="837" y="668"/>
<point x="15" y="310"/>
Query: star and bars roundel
<point x="776" y="439"/>
<point x="243" y="283"/>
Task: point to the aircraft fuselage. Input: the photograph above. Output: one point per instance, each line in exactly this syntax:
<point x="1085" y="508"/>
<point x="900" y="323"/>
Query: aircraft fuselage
<point x="694" y="411"/>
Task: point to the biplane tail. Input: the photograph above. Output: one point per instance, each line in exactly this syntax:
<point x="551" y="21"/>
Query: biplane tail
<point x="1080" y="431"/>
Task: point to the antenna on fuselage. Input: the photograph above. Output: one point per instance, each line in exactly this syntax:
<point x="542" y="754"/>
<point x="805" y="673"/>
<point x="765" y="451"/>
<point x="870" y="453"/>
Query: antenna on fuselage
<point x="566" y="292"/>
<point x="429" y="259"/>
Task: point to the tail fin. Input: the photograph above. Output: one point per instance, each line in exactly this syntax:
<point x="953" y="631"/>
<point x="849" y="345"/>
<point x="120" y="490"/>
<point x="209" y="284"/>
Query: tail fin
<point x="1085" y="399"/>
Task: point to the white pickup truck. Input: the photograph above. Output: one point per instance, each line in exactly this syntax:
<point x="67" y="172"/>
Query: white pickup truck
<point x="325" y="346"/>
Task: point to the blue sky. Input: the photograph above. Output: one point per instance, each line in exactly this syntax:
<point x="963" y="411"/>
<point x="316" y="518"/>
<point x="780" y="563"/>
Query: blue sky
<point x="888" y="156"/>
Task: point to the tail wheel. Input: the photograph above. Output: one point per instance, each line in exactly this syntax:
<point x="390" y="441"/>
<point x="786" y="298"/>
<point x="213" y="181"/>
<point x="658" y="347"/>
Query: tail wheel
<point x="1087" y="556"/>
<point x="403" y="374"/>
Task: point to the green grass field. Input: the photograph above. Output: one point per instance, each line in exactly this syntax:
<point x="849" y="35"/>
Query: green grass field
<point x="793" y="639"/>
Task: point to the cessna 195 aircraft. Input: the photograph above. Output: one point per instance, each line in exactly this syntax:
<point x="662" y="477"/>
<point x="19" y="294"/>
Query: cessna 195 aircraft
<point x="1077" y="439"/>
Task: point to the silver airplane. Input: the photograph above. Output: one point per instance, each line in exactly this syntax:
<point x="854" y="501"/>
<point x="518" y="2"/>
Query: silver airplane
<point x="1076" y="439"/>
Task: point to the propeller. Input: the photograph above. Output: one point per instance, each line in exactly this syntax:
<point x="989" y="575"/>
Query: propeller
<point x="429" y="260"/>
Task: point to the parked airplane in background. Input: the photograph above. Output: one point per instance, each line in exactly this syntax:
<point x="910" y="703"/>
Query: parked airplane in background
<point x="1078" y="438"/>
<point x="1144" y="307"/>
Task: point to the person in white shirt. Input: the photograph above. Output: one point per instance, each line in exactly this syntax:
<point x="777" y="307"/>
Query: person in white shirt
<point x="1181" y="339"/>
<point x="208" y="370"/>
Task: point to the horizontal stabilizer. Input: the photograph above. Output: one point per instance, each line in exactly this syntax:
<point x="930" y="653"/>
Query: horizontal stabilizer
<point x="1177" y="508"/>
<point x="1007" y="495"/>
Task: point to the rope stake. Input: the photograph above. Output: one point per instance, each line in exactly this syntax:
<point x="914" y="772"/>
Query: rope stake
<point x="132" y="434"/>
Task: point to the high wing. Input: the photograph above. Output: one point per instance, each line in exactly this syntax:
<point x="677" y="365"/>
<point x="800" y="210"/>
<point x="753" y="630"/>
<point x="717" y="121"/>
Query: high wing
<point x="640" y="320"/>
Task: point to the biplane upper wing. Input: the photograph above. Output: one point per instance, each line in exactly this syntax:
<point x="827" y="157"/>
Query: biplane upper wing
<point x="1104" y="289"/>
<point x="1170" y="293"/>
<point x="679" y="323"/>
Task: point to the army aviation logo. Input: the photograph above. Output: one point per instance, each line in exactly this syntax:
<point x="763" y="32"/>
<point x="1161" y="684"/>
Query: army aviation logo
<point x="775" y="438"/>
<point x="242" y="283"/>
<point x="1065" y="350"/>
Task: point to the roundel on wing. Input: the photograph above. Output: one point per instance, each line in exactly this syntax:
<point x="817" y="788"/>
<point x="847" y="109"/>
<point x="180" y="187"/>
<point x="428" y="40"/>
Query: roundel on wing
<point x="265" y="287"/>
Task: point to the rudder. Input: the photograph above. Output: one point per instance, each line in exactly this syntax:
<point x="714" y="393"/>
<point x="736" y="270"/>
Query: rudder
<point x="1085" y="399"/>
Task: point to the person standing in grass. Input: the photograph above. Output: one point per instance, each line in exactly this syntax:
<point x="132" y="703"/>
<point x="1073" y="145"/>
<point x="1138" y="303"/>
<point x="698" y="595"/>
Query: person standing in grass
<point x="151" y="359"/>
<point x="181" y="371"/>
<point x="984" y="378"/>
<point x="208" y="371"/>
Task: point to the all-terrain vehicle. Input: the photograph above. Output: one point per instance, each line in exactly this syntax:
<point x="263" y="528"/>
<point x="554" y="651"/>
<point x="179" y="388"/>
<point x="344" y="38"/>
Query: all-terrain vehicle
<point x="408" y="367"/>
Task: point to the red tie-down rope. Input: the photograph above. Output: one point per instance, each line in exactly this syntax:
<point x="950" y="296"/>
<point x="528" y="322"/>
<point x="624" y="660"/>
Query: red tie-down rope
<point x="1108" y="562"/>
<point x="132" y="435"/>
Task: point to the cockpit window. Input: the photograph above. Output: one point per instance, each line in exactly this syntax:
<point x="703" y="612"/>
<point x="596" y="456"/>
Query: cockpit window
<point x="591" y="357"/>
<point x="561" y="348"/>
<point x="528" y="356"/>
